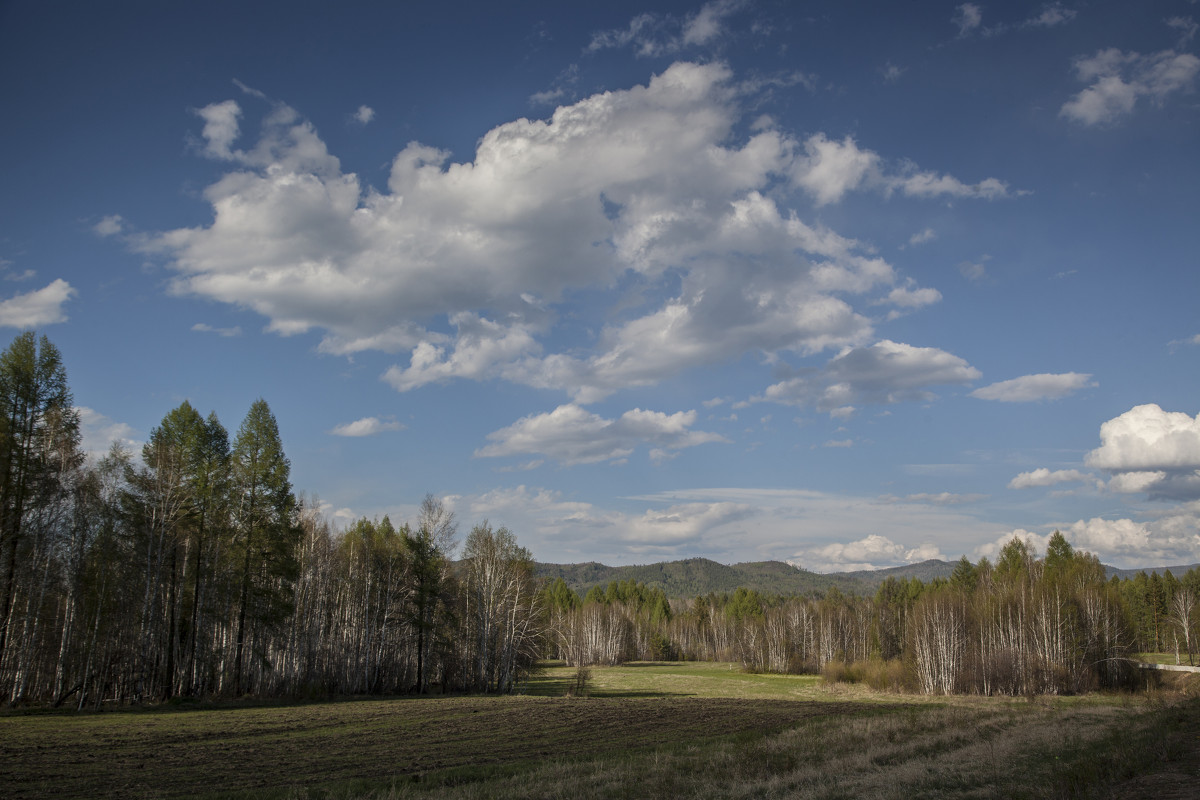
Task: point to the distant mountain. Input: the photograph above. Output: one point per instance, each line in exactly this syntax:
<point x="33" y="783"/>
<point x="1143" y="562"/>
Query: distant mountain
<point x="699" y="576"/>
<point x="1177" y="571"/>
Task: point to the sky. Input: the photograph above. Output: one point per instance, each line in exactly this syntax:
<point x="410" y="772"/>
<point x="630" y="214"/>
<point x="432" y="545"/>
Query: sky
<point x="844" y="284"/>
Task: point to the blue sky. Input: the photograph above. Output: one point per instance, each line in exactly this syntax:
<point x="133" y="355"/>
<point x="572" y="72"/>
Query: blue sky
<point x="844" y="284"/>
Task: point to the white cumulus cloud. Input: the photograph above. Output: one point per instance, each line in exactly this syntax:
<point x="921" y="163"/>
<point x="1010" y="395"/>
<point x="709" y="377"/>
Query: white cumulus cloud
<point x="463" y="267"/>
<point x="1148" y="438"/>
<point x="871" y="552"/>
<point x="41" y="307"/>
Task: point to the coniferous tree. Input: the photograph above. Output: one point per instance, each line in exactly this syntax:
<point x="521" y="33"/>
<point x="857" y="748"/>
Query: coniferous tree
<point x="430" y="546"/>
<point x="39" y="447"/>
<point x="266" y="537"/>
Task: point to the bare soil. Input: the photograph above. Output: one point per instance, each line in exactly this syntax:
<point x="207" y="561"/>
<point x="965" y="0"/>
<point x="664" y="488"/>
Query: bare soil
<point x="139" y="754"/>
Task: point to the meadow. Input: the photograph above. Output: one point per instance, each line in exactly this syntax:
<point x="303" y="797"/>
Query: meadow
<point x="642" y="730"/>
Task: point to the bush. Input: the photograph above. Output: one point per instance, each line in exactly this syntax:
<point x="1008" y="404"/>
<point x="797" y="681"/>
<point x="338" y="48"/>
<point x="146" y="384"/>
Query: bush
<point x="880" y="675"/>
<point x="581" y="682"/>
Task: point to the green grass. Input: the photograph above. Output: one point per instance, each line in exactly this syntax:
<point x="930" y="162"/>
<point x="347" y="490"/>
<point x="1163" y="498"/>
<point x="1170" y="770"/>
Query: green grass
<point x="679" y="730"/>
<point x="678" y="679"/>
<point x="1164" y="658"/>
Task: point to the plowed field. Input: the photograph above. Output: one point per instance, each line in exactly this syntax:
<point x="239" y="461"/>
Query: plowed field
<point x="184" y="753"/>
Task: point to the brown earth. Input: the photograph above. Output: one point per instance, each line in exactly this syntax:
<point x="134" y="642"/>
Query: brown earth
<point x="131" y="754"/>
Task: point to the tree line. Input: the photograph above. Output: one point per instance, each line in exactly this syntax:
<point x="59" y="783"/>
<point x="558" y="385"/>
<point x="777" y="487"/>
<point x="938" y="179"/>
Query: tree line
<point x="1023" y="625"/>
<point x="194" y="570"/>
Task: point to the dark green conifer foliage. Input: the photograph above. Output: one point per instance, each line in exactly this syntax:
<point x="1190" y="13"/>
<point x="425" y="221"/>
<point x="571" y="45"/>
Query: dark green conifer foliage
<point x="39" y="444"/>
<point x="266" y="534"/>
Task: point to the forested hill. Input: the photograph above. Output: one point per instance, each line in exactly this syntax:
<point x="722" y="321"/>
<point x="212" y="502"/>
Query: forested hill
<point x="699" y="576"/>
<point x="1177" y="571"/>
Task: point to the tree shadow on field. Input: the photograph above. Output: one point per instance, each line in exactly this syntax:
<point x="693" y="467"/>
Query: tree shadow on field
<point x="564" y="685"/>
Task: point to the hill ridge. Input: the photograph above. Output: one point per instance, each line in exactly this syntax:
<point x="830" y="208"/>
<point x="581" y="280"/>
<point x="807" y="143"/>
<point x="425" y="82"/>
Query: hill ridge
<point x="698" y="575"/>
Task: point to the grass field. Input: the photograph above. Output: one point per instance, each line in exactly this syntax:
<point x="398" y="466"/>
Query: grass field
<point x="644" y="730"/>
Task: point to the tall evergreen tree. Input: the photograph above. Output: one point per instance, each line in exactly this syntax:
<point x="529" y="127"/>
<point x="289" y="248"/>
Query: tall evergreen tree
<point x="266" y="534"/>
<point x="429" y="547"/>
<point x="165" y="503"/>
<point x="39" y="436"/>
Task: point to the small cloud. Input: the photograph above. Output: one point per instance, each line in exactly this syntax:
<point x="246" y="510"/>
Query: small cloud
<point x="367" y="426"/>
<point x="109" y="226"/>
<point x="364" y="115"/>
<point x="1031" y="388"/>
<point x="37" y="308"/>
<point x="839" y="443"/>
<point x="1051" y="15"/>
<point x="97" y="433"/>
<point x="1187" y="28"/>
<point x="1118" y="80"/>
<point x="221" y="129"/>
<point x="659" y="456"/>
<point x="250" y="90"/>
<point x="17" y="277"/>
<point x="201" y="327"/>
<point x="1177" y="343"/>
<point x="345" y="515"/>
<point x="891" y="73"/>
<point x="907" y="297"/>
<point x="934" y="499"/>
<point x="657" y="35"/>
<point x="526" y="467"/>
<point x="924" y="236"/>
<point x="974" y="271"/>
<point x="1044" y="477"/>
<point x="549" y="97"/>
<point x="968" y="18"/>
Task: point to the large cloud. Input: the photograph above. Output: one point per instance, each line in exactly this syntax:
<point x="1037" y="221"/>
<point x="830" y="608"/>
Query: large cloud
<point x="465" y="266"/>
<point x="1126" y="543"/>
<point x="1151" y="450"/>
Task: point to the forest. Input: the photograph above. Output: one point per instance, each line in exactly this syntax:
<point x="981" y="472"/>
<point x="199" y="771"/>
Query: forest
<point x="193" y="569"/>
